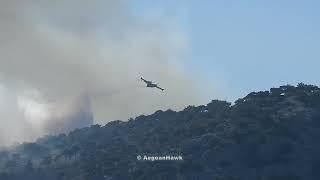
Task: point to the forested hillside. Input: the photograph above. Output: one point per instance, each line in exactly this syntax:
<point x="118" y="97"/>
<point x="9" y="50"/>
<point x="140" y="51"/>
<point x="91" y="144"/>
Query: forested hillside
<point x="269" y="135"/>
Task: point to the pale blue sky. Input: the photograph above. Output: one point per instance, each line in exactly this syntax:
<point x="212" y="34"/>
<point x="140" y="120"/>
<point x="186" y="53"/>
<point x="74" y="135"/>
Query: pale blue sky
<point x="245" y="46"/>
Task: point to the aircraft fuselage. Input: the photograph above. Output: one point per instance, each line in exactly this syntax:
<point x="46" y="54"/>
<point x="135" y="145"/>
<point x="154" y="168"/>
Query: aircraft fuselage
<point x="151" y="84"/>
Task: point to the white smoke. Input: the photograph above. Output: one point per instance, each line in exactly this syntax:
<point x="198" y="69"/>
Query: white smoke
<point x="64" y="61"/>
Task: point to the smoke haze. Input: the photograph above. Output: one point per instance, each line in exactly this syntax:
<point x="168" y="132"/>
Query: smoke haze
<point x="68" y="64"/>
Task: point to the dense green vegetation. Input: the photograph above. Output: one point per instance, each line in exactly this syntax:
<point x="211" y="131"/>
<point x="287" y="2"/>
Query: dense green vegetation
<point x="270" y="135"/>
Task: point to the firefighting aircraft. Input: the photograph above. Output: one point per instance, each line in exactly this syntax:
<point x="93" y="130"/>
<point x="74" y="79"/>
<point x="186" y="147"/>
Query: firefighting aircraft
<point x="151" y="84"/>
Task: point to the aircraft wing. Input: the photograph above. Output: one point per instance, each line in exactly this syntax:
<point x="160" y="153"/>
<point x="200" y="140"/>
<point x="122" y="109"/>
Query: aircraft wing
<point x="160" y="88"/>
<point x="148" y="82"/>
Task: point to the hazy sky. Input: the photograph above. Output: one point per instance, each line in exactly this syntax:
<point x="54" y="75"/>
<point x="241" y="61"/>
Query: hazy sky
<point x="68" y="63"/>
<point x="247" y="45"/>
